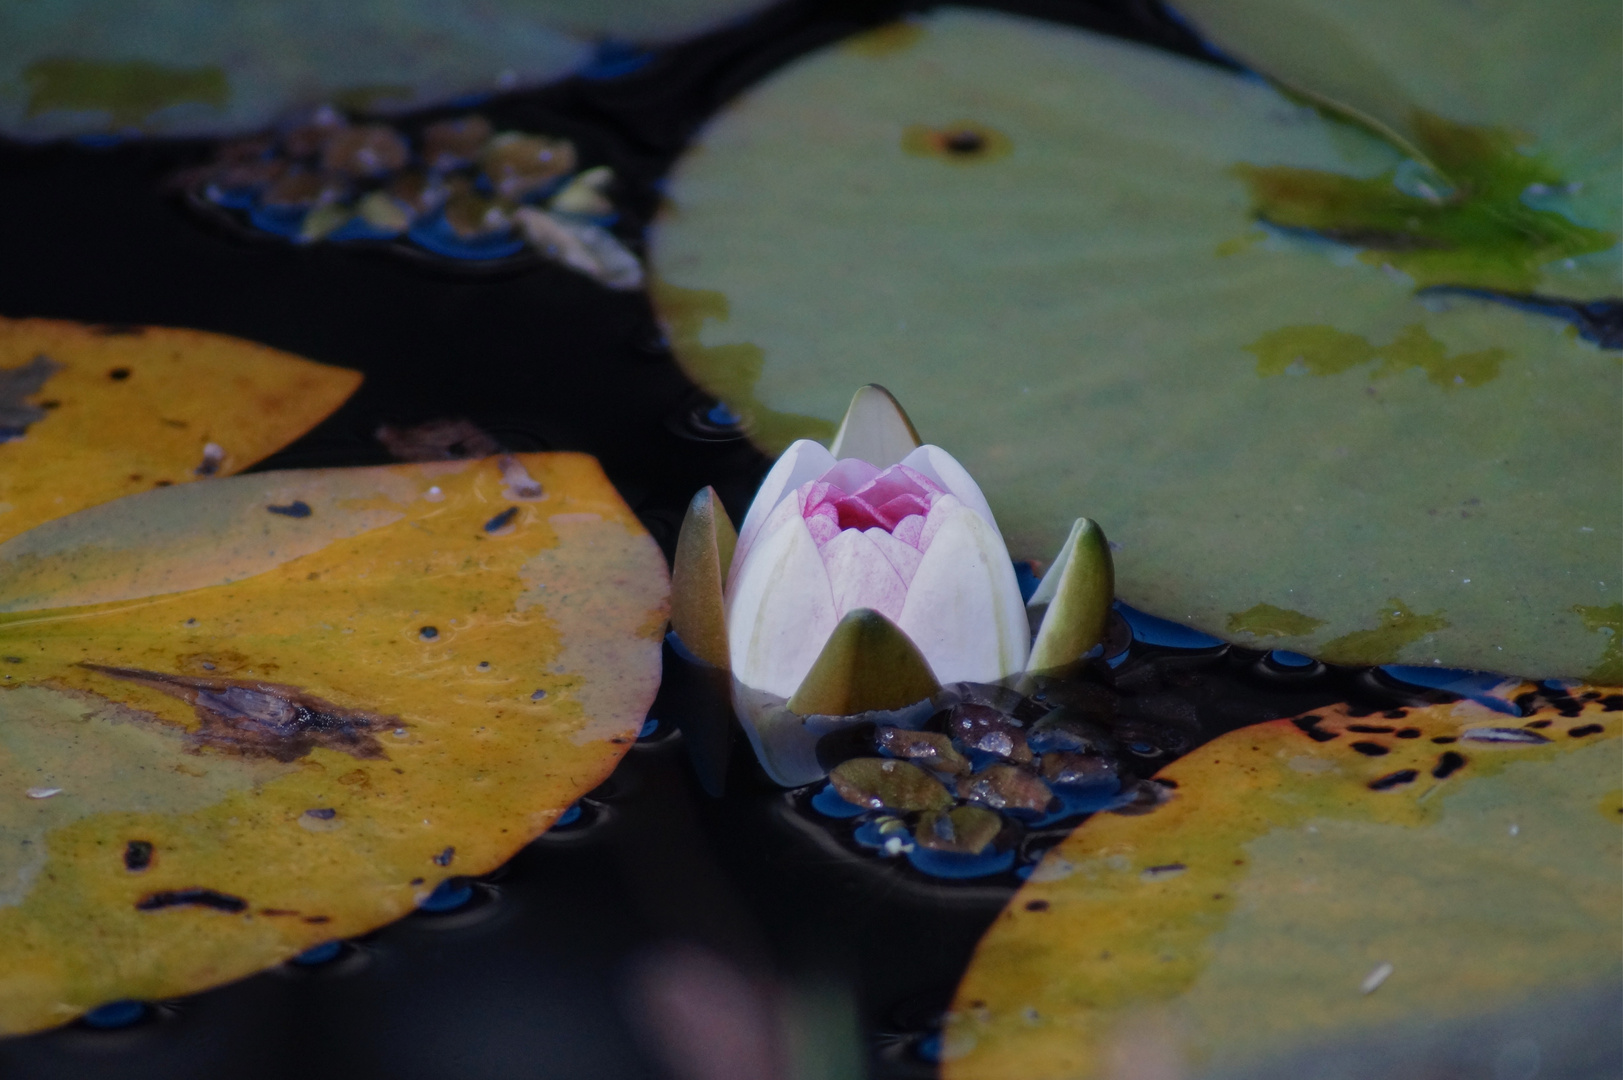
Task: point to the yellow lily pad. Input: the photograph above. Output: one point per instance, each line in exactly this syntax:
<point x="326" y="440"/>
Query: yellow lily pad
<point x="1334" y="895"/>
<point x="90" y="413"/>
<point x="243" y="717"/>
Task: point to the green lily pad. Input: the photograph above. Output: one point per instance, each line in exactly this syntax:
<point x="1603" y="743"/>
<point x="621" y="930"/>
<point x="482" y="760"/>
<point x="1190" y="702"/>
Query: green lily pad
<point x="1343" y="895"/>
<point x="244" y="716"/>
<point x="187" y="67"/>
<point x="1534" y="93"/>
<point x="1069" y="289"/>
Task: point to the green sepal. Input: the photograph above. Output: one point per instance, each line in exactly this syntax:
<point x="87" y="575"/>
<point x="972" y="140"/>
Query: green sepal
<point x="704" y="551"/>
<point x="1078" y="590"/>
<point x="867" y="665"/>
<point x="875" y="429"/>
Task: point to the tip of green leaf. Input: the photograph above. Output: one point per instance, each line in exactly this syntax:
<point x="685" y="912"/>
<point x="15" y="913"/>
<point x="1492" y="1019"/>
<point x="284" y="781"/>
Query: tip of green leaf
<point x="1077" y="590"/>
<point x="704" y="549"/>
<point x="867" y="665"/>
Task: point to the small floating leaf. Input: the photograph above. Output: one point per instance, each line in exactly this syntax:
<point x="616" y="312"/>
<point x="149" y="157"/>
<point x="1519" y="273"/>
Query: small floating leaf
<point x="885" y="783"/>
<point x="1236" y="928"/>
<point x="964" y="829"/>
<point x="91" y="413"/>
<point x="931" y="749"/>
<point x="270" y="730"/>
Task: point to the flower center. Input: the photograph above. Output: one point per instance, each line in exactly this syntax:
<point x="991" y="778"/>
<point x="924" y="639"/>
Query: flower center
<point x="855" y="495"/>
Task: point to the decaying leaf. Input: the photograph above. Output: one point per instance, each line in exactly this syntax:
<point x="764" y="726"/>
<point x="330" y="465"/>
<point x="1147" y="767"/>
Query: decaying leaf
<point x="1336" y="895"/>
<point x="278" y="709"/>
<point x="89" y="413"/>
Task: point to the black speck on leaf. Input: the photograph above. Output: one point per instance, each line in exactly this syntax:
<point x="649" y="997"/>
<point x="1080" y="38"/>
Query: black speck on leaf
<point x="1394" y="779"/>
<point x="195" y="897"/>
<point x="501" y="520"/>
<point x="1448" y="764"/>
<point x="137" y="855"/>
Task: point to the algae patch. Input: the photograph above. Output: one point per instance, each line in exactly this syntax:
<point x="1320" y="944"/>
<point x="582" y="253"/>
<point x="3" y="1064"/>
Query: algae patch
<point x="1267" y="620"/>
<point x="129" y="90"/>
<point x="1606" y="620"/>
<point x="1323" y="350"/>
<point x="1399" y="628"/>
<point x="1467" y="223"/>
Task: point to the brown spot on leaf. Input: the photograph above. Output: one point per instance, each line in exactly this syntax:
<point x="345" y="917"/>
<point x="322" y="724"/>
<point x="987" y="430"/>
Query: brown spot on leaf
<point x="194" y="897"/>
<point x="262" y="719"/>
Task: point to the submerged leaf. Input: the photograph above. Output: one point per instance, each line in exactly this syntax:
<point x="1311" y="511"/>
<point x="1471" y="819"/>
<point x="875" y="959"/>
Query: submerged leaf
<point x="210" y="66"/>
<point x="279" y="709"/>
<point x="89" y="413"/>
<point x="1257" y="416"/>
<point x="1328" y="895"/>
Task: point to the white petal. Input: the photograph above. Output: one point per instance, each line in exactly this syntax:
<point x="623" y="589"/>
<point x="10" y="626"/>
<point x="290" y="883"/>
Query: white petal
<point x="780" y="611"/>
<point x="783" y="515"/>
<point x="903" y="556"/>
<point x="944" y="469"/>
<point x="875" y="429"/>
<point x="963" y="609"/>
<point x="859" y="576"/>
<point x="803" y="461"/>
<point x="944" y="507"/>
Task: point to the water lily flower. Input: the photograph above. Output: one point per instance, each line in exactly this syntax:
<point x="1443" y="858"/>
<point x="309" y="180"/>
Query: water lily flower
<point x="869" y="574"/>
<point x="912" y="540"/>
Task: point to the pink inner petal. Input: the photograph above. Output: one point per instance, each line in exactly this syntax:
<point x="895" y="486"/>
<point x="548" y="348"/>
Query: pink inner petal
<point x="855" y="513"/>
<point x="850" y="474"/>
<point x="861" y="577"/>
<point x="824" y="524"/>
<point x="904" y="558"/>
<point x="900" y="507"/>
<point x="908" y="530"/>
<point x="894" y="481"/>
<point x="812" y="494"/>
